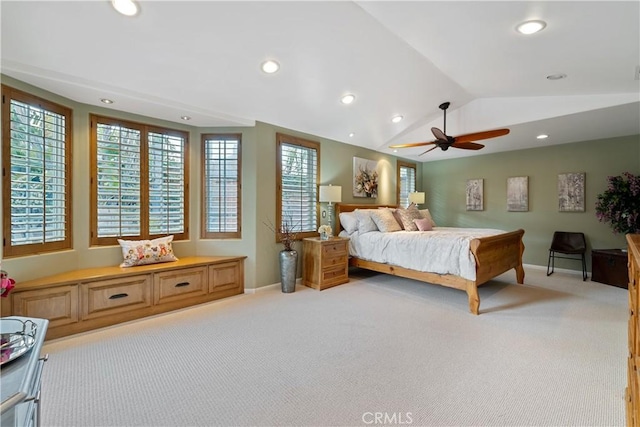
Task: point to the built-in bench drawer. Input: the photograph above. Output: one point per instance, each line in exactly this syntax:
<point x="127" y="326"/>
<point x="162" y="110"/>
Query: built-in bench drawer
<point x="179" y="284"/>
<point x="58" y="304"/>
<point x="108" y="297"/>
<point x="225" y="277"/>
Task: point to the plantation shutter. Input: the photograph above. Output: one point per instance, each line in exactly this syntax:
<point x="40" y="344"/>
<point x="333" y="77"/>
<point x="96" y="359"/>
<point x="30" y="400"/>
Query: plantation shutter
<point x="299" y="186"/>
<point x="38" y="176"/>
<point x="407" y="184"/>
<point x="166" y="184"/>
<point x="221" y="186"/>
<point x="119" y="207"/>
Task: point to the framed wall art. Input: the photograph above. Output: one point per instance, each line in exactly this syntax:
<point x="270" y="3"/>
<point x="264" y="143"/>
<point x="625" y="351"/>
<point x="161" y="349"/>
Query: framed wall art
<point x="571" y="192"/>
<point x="475" y="194"/>
<point x="518" y="194"/>
<point x="365" y="178"/>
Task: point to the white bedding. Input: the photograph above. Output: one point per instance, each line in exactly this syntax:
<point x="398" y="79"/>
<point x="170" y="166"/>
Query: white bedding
<point x="444" y="250"/>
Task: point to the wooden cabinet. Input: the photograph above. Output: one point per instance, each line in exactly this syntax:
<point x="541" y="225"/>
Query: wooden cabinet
<point x="325" y="263"/>
<point x="609" y="266"/>
<point x="82" y="300"/>
<point x="632" y="395"/>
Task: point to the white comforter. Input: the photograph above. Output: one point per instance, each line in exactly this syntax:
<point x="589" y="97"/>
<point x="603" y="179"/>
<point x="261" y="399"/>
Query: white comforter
<point x="444" y="250"/>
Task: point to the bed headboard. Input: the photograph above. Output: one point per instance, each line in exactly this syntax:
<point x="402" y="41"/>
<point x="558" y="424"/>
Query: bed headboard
<point x="350" y="207"/>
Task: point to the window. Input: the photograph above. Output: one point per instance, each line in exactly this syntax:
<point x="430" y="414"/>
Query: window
<point x="406" y="180"/>
<point x="221" y="172"/>
<point x="139" y="181"/>
<point x="36" y="174"/>
<point x="297" y="176"/>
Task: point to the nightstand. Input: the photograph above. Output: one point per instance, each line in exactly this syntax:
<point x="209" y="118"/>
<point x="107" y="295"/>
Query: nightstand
<point x="609" y="266"/>
<point x="325" y="263"/>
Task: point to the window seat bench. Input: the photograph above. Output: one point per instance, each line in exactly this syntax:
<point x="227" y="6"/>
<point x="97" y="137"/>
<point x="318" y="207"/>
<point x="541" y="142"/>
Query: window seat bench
<point x="82" y="300"/>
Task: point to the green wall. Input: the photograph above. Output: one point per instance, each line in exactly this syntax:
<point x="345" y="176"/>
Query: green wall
<point x="445" y="181"/>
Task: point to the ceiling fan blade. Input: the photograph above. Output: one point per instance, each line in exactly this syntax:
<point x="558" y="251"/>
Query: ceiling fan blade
<point x="413" y="144"/>
<point x="467" y="145"/>
<point x="432" y="148"/>
<point x="481" y="135"/>
<point x="439" y="134"/>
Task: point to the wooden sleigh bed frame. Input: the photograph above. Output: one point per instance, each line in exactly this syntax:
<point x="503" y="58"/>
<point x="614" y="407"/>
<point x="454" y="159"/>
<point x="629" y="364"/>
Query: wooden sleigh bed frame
<point x="494" y="255"/>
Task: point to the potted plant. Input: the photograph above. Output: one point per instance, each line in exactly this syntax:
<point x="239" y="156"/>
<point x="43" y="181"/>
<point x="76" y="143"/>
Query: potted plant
<point x="288" y="256"/>
<point x="619" y="205"/>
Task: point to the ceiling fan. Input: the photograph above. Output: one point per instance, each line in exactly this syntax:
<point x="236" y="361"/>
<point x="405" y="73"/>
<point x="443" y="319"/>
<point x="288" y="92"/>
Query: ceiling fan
<point x="463" y="141"/>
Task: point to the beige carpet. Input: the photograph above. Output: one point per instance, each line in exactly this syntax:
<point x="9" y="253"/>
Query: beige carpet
<point x="379" y="350"/>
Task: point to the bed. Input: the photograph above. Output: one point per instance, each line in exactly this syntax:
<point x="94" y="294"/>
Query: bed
<point x="491" y="256"/>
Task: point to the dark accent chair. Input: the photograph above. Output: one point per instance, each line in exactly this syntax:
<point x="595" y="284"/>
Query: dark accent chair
<point x="568" y="243"/>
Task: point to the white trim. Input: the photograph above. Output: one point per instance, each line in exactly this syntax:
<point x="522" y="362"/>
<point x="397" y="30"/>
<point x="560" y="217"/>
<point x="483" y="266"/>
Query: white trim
<point x="270" y="287"/>
<point x="559" y="270"/>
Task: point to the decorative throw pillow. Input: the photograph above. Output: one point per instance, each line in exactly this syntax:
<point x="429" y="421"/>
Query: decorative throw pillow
<point x="395" y="215"/>
<point x="385" y="220"/>
<point x="365" y="223"/>
<point x="141" y="252"/>
<point x="407" y="216"/>
<point x="349" y="222"/>
<point x="423" y="224"/>
<point x="426" y="214"/>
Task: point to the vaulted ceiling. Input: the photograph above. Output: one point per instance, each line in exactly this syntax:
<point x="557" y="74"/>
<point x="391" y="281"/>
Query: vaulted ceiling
<point x="202" y="59"/>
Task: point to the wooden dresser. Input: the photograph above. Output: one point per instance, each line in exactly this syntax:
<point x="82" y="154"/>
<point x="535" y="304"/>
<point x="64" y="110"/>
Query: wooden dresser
<point x="325" y="263"/>
<point x="82" y="300"/>
<point x="633" y="362"/>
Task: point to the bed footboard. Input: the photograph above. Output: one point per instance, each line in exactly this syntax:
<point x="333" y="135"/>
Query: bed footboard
<point x="495" y="255"/>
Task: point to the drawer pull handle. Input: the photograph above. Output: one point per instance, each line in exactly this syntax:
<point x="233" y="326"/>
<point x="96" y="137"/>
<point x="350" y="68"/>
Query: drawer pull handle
<point x="182" y="284"/>
<point x="117" y="296"/>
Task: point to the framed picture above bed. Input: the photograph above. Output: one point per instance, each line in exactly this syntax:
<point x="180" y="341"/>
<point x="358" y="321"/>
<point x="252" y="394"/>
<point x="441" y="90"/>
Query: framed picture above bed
<point x="365" y="178"/>
<point x="475" y="194"/>
<point x="518" y="194"/>
<point x="571" y="192"/>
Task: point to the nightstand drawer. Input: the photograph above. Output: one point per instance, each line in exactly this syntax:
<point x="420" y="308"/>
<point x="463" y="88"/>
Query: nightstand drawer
<point x="330" y="262"/>
<point x="334" y="274"/>
<point x="338" y="249"/>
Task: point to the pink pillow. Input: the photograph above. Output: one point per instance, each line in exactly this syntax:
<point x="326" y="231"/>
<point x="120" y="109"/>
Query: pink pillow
<point x="423" y="224"/>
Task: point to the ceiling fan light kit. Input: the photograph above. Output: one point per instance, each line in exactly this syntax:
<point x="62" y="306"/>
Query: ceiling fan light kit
<point x="443" y="141"/>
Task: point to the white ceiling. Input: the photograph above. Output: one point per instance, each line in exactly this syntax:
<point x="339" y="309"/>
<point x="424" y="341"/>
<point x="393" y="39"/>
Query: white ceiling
<point x="202" y="59"/>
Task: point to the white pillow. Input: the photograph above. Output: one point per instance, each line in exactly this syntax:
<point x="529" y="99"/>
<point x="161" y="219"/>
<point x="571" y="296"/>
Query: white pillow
<point x="365" y="223"/>
<point x="349" y="222"/>
<point x="141" y="252"/>
<point x="385" y="220"/>
<point x="426" y="214"/>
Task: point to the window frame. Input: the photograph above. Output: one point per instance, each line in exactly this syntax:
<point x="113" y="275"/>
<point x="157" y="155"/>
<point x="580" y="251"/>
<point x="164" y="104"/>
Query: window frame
<point x="204" y="233"/>
<point x="400" y="164"/>
<point x="9" y="250"/>
<point x="292" y="140"/>
<point x="145" y="129"/>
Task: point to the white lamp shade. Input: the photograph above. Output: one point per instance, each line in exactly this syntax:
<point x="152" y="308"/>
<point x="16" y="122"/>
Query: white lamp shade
<point x="331" y="193"/>
<point x="416" y="198"/>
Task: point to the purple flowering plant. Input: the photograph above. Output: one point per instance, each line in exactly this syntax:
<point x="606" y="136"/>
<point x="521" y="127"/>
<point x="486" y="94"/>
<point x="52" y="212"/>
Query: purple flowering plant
<point x="619" y="205"/>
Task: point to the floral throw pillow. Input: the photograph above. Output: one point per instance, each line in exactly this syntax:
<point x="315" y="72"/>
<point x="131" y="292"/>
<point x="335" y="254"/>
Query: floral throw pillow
<point x="141" y="252"/>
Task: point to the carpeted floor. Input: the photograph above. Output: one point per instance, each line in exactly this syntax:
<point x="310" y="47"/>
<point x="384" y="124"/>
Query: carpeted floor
<point x="378" y="350"/>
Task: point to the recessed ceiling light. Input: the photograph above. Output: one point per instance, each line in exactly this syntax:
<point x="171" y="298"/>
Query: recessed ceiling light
<point x="395" y="150"/>
<point x="106" y="101"/>
<point x="125" y="7"/>
<point x="397" y="119"/>
<point x="542" y="136"/>
<point x="558" y="76"/>
<point x="348" y="98"/>
<point x="531" y="27"/>
<point x="351" y="135"/>
<point x="185" y="117"/>
<point x="270" y="66"/>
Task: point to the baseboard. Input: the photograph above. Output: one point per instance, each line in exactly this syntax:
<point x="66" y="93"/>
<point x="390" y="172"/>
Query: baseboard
<point x="559" y="270"/>
<point x="270" y="287"/>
